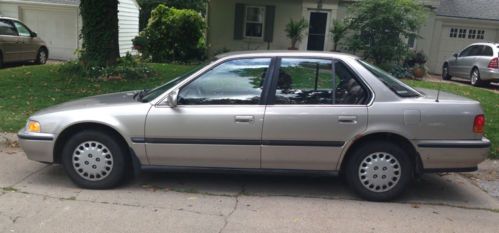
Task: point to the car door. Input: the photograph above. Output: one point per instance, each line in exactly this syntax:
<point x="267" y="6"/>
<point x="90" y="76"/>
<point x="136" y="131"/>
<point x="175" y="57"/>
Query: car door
<point x="26" y="48"/>
<point x="9" y="41"/>
<point x="460" y="65"/>
<point x="314" y="112"/>
<point x="217" y="122"/>
<point x="471" y="58"/>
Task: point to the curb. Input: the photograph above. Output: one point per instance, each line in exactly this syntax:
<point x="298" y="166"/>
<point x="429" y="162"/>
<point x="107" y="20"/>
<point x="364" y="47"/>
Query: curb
<point x="8" y="140"/>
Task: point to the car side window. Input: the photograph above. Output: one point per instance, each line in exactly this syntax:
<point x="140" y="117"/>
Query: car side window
<point x="476" y="50"/>
<point x="21" y="29"/>
<point x="488" y="51"/>
<point x="233" y="82"/>
<point x="465" y="52"/>
<point x="7" y="29"/>
<point x="312" y="81"/>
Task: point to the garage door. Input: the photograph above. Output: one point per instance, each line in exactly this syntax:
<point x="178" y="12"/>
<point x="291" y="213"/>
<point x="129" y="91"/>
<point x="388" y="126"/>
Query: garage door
<point x="56" y="26"/>
<point x="455" y="38"/>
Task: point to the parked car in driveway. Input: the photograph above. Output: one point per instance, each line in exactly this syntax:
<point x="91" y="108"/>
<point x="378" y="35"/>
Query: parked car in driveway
<point x="267" y="112"/>
<point x="478" y="62"/>
<point x="19" y="44"/>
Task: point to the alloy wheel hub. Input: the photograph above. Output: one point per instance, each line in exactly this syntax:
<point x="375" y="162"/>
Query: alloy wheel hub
<point x="379" y="172"/>
<point x="92" y="160"/>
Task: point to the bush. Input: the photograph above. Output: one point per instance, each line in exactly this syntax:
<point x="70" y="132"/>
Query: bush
<point x="175" y="35"/>
<point x="128" y="67"/>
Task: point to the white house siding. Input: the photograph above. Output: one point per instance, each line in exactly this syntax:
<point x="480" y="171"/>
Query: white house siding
<point x="128" y="21"/>
<point x="9" y="10"/>
<point x="221" y="25"/>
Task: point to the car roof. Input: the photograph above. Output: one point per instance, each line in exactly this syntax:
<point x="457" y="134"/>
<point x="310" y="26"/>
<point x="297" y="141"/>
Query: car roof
<point x="3" y="17"/>
<point x="484" y="43"/>
<point x="282" y="53"/>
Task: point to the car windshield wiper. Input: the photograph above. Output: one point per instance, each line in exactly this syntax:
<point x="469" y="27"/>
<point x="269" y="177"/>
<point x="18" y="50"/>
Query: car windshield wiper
<point x="140" y="95"/>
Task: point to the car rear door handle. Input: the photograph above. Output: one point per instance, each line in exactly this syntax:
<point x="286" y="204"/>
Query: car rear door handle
<point x="347" y="119"/>
<point x="244" y="119"/>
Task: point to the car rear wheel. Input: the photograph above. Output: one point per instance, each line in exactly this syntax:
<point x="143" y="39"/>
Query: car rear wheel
<point x="42" y="56"/>
<point x="475" y="78"/>
<point x="379" y="171"/>
<point x="445" y="72"/>
<point x="94" y="160"/>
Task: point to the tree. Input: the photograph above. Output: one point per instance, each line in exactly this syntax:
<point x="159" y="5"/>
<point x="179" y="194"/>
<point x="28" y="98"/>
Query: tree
<point x="338" y="31"/>
<point x="382" y="25"/>
<point x="99" y="32"/>
<point x="148" y="5"/>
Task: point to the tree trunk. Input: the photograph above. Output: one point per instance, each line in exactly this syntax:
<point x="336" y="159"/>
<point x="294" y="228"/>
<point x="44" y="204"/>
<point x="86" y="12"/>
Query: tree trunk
<point x="100" y="32"/>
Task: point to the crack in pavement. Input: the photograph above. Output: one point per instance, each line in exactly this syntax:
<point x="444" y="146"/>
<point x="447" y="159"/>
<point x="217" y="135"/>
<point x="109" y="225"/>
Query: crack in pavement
<point x="115" y="203"/>
<point x="31" y="174"/>
<point x="226" y="219"/>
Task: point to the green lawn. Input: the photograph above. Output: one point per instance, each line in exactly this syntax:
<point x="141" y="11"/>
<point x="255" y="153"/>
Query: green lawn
<point x="24" y="90"/>
<point x="488" y="99"/>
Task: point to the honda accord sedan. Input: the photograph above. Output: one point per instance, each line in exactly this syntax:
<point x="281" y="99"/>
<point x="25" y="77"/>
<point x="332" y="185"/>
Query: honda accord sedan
<point x="307" y="112"/>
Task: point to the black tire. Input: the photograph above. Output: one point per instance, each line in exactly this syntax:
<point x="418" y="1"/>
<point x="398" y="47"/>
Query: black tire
<point x="390" y="151"/>
<point x="445" y="72"/>
<point x="119" y="155"/>
<point x="476" y="81"/>
<point x="42" y="56"/>
<point x="1" y="60"/>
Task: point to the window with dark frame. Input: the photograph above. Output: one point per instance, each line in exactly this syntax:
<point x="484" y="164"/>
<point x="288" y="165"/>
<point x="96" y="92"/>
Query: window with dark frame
<point x="254" y="21"/>
<point x="462" y="33"/>
<point x="307" y="81"/>
<point x="472" y="34"/>
<point x="453" y="33"/>
<point x="480" y="34"/>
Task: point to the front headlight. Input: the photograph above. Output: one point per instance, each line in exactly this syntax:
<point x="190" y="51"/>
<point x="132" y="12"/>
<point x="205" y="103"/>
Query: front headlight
<point x="34" y="126"/>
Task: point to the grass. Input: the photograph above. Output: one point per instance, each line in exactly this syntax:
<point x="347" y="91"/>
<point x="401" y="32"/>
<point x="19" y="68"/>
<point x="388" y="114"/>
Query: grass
<point x="488" y="99"/>
<point x="27" y="89"/>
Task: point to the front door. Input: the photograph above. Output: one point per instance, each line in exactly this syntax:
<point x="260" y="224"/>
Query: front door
<point x="317" y="31"/>
<point x="218" y="121"/>
<point x="9" y="41"/>
<point x="315" y="112"/>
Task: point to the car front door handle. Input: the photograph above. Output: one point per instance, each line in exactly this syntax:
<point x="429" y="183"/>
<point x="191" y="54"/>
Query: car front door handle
<point x="347" y="119"/>
<point x="244" y="119"/>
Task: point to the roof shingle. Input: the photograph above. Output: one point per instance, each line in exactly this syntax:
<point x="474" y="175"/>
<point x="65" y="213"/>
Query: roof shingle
<point x="471" y="9"/>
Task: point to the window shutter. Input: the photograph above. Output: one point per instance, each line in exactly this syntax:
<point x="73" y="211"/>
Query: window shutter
<point x="269" y="24"/>
<point x="239" y="22"/>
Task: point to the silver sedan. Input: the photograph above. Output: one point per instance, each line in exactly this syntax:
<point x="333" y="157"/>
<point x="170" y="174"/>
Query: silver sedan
<point x="268" y="112"/>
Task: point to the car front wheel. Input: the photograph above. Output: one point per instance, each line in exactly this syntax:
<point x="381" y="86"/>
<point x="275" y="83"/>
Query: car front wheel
<point x="379" y="171"/>
<point x="42" y="56"/>
<point x="94" y="160"/>
<point x="445" y="72"/>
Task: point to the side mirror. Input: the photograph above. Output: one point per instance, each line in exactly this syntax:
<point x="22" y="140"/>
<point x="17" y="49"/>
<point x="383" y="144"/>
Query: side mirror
<point x="455" y="55"/>
<point x="172" y="99"/>
<point x="33" y="34"/>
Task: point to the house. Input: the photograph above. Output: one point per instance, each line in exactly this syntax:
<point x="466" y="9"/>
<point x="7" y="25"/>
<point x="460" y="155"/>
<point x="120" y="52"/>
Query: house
<point x="58" y="23"/>
<point x="259" y="24"/>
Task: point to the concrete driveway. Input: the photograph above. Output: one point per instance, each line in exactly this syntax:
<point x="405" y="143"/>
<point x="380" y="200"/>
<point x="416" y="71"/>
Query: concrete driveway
<point x="40" y="198"/>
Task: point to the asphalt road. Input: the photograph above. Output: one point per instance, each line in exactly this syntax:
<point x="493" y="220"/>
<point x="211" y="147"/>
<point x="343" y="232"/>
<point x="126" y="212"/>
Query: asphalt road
<point x="40" y="198"/>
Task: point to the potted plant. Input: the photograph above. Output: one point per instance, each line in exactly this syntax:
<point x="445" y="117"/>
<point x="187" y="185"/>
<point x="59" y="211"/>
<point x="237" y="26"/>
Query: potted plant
<point x="338" y="32"/>
<point x="294" y="31"/>
<point x="416" y="61"/>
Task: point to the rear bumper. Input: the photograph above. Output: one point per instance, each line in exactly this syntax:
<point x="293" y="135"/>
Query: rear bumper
<point x="490" y="75"/>
<point x="37" y="146"/>
<point x="452" y="155"/>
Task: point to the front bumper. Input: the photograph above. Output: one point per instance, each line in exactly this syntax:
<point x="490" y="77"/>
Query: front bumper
<point x="452" y="155"/>
<point x="37" y="146"/>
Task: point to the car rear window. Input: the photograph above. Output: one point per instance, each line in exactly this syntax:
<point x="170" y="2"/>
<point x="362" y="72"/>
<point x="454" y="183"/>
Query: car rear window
<point x="395" y="85"/>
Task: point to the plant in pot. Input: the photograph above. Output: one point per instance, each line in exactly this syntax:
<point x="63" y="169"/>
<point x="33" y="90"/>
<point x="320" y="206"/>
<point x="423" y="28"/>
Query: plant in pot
<point x="294" y="31"/>
<point x="416" y="61"/>
<point x="338" y="32"/>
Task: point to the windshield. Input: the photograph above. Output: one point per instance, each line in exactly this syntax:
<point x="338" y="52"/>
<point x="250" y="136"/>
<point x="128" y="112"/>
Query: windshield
<point x="154" y="93"/>
<point x="398" y="87"/>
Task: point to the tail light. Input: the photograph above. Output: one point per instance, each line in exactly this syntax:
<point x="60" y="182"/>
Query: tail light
<point x="479" y="124"/>
<point x="494" y="63"/>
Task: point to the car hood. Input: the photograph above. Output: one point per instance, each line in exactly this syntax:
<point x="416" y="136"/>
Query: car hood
<point x="106" y="100"/>
<point x="443" y="96"/>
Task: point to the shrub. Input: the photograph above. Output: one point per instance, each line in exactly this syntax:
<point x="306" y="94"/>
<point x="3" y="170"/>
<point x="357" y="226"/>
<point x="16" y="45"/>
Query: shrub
<point x="175" y="35"/>
<point x="294" y="31"/>
<point x="128" y="67"/>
